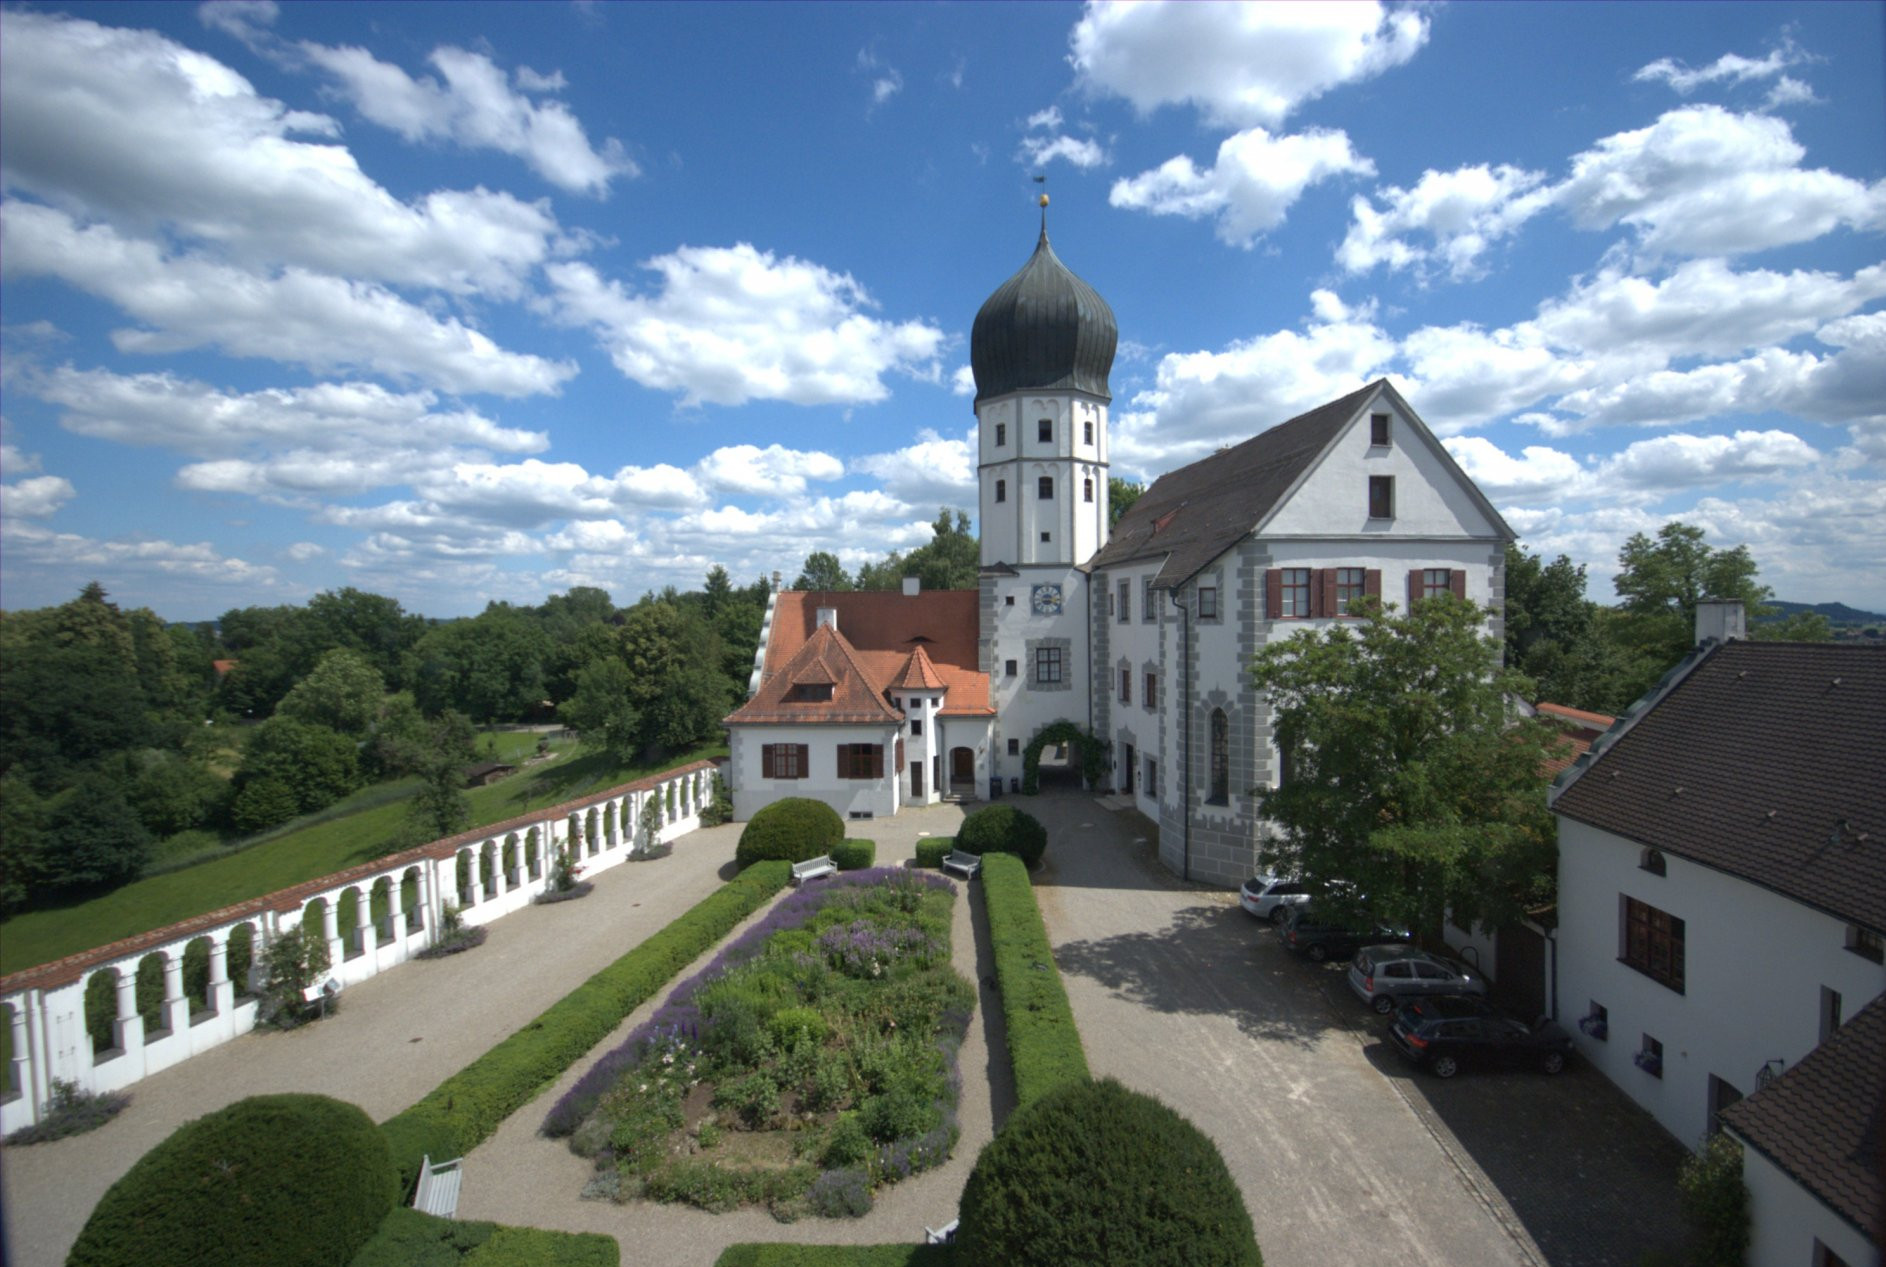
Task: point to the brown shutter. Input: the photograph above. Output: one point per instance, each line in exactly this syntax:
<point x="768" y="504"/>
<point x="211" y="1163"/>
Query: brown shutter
<point x="1414" y="587"/>
<point x="1325" y="601"/>
<point x="1273" y="592"/>
<point x="844" y="762"/>
<point x="1457" y="581"/>
<point x="1372" y="583"/>
<point x="805" y="760"/>
<point x="900" y="756"/>
<point x="766" y="761"/>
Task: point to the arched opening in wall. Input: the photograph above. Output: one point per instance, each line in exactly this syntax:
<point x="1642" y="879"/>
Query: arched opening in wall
<point x="488" y="869"/>
<point x="314" y="921"/>
<point x="511" y="873"/>
<point x="150" y="994"/>
<point x="592" y="839"/>
<point x="380" y="909"/>
<point x="573" y="833"/>
<point x="609" y="825"/>
<point x="409" y="900"/>
<point x="1066" y="755"/>
<point x="671" y="803"/>
<point x="533" y="856"/>
<point x="9" y="1084"/>
<point x="196" y="979"/>
<point x="963" y="773"/>
<point x="101" y="1013"/>
<point x="463" y="880"/>
<point x="240" y="958"/>
<point x="347" y="924"/>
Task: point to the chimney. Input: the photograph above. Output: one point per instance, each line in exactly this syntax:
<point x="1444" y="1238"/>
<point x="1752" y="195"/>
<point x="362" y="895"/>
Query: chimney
<point x="776" y="580"/>
<point x="828" y="618"/>
<point x="1722" y="619"/>
<point x="913" y="586"/>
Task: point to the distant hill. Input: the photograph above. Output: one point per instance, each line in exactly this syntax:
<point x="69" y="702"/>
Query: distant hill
<point x="1836" y="613"/>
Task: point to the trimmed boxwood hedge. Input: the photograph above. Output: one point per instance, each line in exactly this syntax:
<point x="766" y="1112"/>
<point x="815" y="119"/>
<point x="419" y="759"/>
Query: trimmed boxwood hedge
<point x="933" y="849"/>
<point x="270" y="1181"/>
<point x="854" y="855"/>
<point x="1006" y="829"/>
<point x="1044" y="1046"/>
<point x="1096" y="1173"/>
<point x="409" y="1238"/>
<point x="770" y="1255"/>
<point x="791" y="830"/>
<point x="466" y="1108"/>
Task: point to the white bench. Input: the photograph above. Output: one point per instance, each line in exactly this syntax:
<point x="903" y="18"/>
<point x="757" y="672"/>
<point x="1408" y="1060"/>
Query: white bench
<point x="945" y="1235"/>
<point x="437" y="1192"/>
<point x="967" y="863"/>
<point x="813" y="868"/>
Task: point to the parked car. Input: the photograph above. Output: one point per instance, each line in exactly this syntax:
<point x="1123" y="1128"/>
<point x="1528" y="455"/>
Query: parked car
<point x="1385" y="977"/>
<point x="1318" y="938"/>
<point x="1446" y="1033"/>
<point x="1271" y="897"/>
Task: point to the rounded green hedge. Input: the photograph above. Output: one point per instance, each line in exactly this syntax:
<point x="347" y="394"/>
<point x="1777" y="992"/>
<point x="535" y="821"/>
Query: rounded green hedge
<point x="931" y="851"/>
<point x="854" y="855"/>
<point x="791" y="830"/>
<point x="271" y="1181"/>
<point x="1004" y="829"/>
<point x="1096" y="1173"/>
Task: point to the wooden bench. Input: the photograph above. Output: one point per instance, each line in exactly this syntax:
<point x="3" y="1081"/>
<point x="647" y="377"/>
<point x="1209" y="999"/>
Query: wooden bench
<point x="437" y="1192"/>
<point x="967" y="863"/>
<point x="813" y="868"/>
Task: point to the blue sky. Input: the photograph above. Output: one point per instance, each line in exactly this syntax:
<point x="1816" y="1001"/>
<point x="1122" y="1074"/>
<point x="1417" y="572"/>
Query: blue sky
<point x="469" y="302"/>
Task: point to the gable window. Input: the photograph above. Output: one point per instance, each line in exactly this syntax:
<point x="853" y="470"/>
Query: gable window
<point x="1126" y="602"/>
<point x="1378" y="431"/>
<point x="1045" y="430"/>
<point x="860" y="760"/>
<point x="1126" y="686"/>
<point x="1650" y="860"/>
<point x="1220" y="758"/>
<point x="1653" y="943"/>
<point x="783" y="760"/>
<point x="1044" y="488"/>
<point x="1293" y="597"/>
<point x="1001" y="490"/>
<point x="1351" y="584"/>
<point x="1152" y="691"/>
<point x="1146" y="601"/>
<point x="1381" y="497"/>
<point x="1001" y="434"/>
<point x="1866" y="942"/>
<point x="1208" y="602"/>
<point x="1047" y="665"/>
<point x="1087" y="489"/>
<point x="1087" y="432"/>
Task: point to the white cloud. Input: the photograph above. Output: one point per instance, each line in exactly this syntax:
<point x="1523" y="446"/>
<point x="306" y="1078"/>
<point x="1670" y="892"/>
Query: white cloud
<point x="1251" y="186"/>
<point x="963" y="381"/>
<point x="293" y="316"/>
<point x="774" y="471"/>
<point x="476" y="107"/>
<point x="247" y="20"/>
<point x="1039" y="151"/>
<point x="886" y="81"/>
<point x="1730" y="67"/>
<point x="734" y="324"/>
<point x="1538" y="471"/>
<point x="36" y="497"/>
<point x="304" y="551"/>
<point x="1689" y="461"/>
<point x="1463" y="212"/>
<point x="1240" y="64"/>
<point x="139" y="130"/>
<point x="935" y="471"/>
<point x="37" y="547"/>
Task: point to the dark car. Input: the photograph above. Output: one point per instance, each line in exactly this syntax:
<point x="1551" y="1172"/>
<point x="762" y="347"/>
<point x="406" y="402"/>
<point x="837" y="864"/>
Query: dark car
<point x="1447" y="1033"/>
<point x="1317" y="937"/>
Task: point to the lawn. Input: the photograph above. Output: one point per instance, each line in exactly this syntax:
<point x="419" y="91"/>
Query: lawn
<point x="341" y="836"/>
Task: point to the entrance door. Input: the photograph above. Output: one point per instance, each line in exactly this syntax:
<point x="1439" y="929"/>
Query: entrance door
<point x="916" y="780"/>
<point x="962" y="765"/>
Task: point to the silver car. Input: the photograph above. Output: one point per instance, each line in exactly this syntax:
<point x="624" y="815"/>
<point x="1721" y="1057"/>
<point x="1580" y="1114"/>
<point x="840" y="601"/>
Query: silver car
<point x="1271" y="897"/>
<point x="1384" y="977"/>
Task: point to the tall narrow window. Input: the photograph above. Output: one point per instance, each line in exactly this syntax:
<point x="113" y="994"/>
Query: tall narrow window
<point x="1125" y="607"/>
<point x="1378" y="431"/>
<point x="1087" y="432"/>
<point x="1146" y="601"/>
<point x="1152" y="691"/>
<point x="1208" y="602"/>
<point x="1653" y="943"/>
<point x="1087" y="489"/>
<point x="1044" y="488"/>
<point x="1381" y="497"/>
<point x="1126" y="686"/>
<point x="1350" y="585"/>
<point x="1001" y="490"/>
<point x="1001" y="434"/>
<point x="1220" y="758"/>
<point x="1045" y="430"/>
<point x="1295" y="595"/>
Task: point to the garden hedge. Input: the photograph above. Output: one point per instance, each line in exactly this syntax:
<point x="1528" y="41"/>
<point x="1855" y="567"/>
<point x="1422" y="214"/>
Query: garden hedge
<point x="466" y="1108"/>
<point x="1044" y="1046"/>
<point x="270" y="1181"/>
<point x="773" y="1255"/>
<point x="931" y="850"/>
<point x="1095" y="1173"/>
<point x="409" y="1238"/>
<point x="1005" y="829"/>
<point x="791" y="830"/>
<point x="854" y="855"/>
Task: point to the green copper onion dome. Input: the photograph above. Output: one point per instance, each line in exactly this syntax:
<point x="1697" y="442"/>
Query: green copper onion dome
<point x="1043" y="328"/>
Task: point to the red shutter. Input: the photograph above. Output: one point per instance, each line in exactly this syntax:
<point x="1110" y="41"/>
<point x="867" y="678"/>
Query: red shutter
<point x="766" y="761"/>
<point x="1273" y="592"/>
<point x="1372" y="583"/>
<point x="1414" y="587"/>
<point x="1457" y="581"/>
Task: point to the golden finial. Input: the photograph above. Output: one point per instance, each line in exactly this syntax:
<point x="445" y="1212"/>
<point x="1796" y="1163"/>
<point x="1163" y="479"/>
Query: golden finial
<point x="1044" y="200"/>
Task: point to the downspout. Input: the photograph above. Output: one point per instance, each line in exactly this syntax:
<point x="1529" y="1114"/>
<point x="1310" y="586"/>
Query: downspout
<point x="1185" y="716"/>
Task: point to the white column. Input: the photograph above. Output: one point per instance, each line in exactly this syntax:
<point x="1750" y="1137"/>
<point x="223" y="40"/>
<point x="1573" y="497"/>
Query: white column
<point x="222" y="991"/>
<point x="363" y="915"/>
<point x="331" y="931"/>
<point x="22" y="1063"/>
<point x="176" y="1007"/>
<point x="128" y="1029"/>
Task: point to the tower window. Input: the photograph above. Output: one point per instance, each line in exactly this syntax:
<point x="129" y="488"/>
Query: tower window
<point x="1045" y="429"/>
<point x="1087" y="489"/>
<point x="1087" y="432"/>
<point x="1044" y="488"/>
<point x="1047" y="536"/>
<point x="1001" y="434"/>
<point x="1001" y="490"/>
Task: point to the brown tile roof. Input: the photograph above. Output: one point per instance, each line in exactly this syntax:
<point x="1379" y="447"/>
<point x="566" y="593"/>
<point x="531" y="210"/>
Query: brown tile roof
<point x="1578" y="729"/>
<point x="919" y="674"/>
<point x="884" y="628"/>
<point x="1822" y="1120"/>
<point x="824" y="658"/>
<point x="1767" y="761"/>
<point x="1578" y="716"/>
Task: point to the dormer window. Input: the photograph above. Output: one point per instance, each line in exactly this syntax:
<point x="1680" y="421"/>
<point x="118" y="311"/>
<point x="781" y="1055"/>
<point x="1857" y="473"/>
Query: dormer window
<point x="1650" y="860"/>
<point x="811" y="693"/>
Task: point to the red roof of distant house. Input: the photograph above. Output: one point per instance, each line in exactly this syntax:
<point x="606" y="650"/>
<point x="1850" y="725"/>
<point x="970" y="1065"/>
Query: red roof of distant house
<point x="1578" y="716"/>
<point x="222" y="667"/>
<point x="1581" y="729"/>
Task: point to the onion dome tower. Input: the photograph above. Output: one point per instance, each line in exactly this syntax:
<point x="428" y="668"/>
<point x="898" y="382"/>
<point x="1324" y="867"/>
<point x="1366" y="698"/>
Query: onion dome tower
<point x="1041" y="349"/>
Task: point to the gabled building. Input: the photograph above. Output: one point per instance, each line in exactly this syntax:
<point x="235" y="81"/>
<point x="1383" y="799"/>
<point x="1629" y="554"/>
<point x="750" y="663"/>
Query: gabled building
<point x="1140" y="635"/>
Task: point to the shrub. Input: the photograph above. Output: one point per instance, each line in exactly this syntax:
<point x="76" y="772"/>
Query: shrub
<point x="1043" y="1044"/>
<point x="409" y="1238"/>
<point x="464" y="1109"/>
<point x="70" y="1111"/>
<point x="933" y="849"/>
<point x="271" y="1180"/>
<point x="1005" y="829"/>
<point x="854" y="855"/>
<point x="748" y="1254"/>
<point x="1715" y="1202"/>
<point x="1096" y="1173"/>
<point x="841" y="1194"/>
<point x="295" y="960"/>
<point x="791" y="830"/>
<point x="792" y="1025"/>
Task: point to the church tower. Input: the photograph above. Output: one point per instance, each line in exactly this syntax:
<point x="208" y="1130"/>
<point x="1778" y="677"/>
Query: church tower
<point x="1041" y="349"/>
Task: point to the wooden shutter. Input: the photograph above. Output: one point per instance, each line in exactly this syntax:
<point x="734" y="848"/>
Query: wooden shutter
<point x="1414" y="587"/>
<point x="1457" y="581"/>
<point x="1273" y="592"/>
<point x="844" y="761"/>
<point x="766" y="761"/>
<point x="1323" y="592"/>
<point x="900" y="756"/>
<point x="805" y="760"/>
<point x="1372" y="583"/>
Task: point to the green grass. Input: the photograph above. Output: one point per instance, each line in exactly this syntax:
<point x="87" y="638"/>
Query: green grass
<point x="344" y="836"/>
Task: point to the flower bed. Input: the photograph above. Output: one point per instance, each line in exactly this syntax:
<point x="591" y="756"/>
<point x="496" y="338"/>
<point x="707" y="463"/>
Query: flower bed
<point x="811" y="1061"/>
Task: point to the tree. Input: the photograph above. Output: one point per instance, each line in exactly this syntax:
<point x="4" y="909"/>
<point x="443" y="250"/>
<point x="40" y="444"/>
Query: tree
<point x="491" y="666"/>
<point x="93" y="838"/>
<point x="1407" y="779"/>
<point x="373" y="625"/>
<point x="602" y="712"/>
<point x="1121" y="494"/>
<point x="950" y="560"/>
<point x="1557" y="637"/>
<point x="317" y="764"/>
<point x="440" y="808"/>
<point x="823" y="571"/>
<point x="344" y="693"/>
<point x="1660" y="584"/>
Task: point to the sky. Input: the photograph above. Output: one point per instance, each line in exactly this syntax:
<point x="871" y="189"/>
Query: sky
<point x="461" y="303"/>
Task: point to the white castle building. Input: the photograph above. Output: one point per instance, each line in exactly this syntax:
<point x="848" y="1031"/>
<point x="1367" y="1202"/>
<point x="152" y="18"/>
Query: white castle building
<point x="1140" y="637"/>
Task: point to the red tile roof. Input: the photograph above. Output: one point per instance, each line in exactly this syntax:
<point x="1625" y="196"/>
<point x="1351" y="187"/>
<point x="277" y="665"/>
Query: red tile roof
<point x="825" y="658"/>
<point x="1578" y="716"/>
<point x="1578" y="731"/>
<point x="919" y="674"/>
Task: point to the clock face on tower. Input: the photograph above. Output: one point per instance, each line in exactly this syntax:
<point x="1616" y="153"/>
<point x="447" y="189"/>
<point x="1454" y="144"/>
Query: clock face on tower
<point x="1047" y="600"/>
